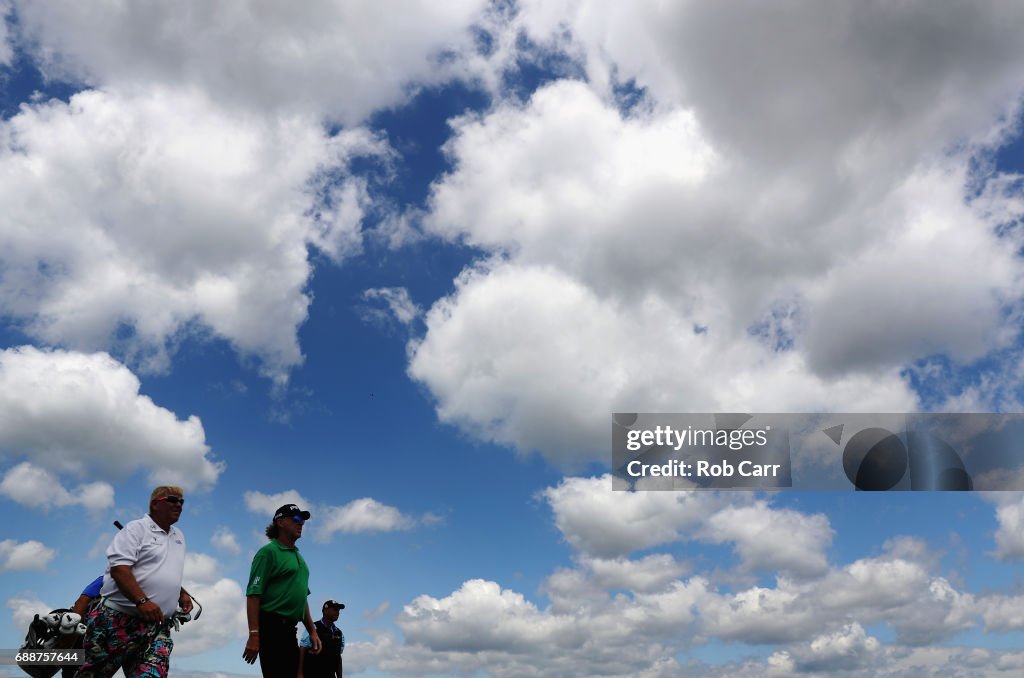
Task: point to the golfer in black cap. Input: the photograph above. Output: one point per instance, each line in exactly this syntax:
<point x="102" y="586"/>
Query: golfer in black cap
<point x="276" y="598"/>
<point x="327" y="664"/>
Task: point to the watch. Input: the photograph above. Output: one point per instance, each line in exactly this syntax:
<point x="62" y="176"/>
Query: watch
<point x="141" y="601"/>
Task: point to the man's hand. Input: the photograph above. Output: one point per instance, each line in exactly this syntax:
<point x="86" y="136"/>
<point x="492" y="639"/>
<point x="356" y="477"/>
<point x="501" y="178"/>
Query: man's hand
<point x="252" y="649"/>
<point x="151" y="612"/>
<point x="185" y="602"/>
<point x="315" y="640"/>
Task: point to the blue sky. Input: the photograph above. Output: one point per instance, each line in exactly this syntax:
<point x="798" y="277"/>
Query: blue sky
<point x="399" y="264"/>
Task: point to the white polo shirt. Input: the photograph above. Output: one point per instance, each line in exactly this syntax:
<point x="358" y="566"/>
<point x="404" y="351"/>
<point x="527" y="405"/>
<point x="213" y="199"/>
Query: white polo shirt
<point x="157" y="560"/>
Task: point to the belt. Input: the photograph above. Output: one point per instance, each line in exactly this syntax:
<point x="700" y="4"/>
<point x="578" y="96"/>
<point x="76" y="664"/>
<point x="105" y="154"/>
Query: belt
<point x="123" y="609"/>
<point x="278" y="618"/>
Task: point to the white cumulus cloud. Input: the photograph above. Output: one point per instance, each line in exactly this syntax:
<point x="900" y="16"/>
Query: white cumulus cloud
<point x="480" y="616"/>
<point x="134" y="218"/>
<point x="32" y="486"/>
<point x="82" y="414"/>
<point x="595" y="520"/>
<point x="761" y="231"/>
<point x="222" y="621"/>
<point x="226" y="541"/>
<point x="322" y="56"/>
<point x="1009" y="537"/>
<point x="364" y="515"/>
<point x="767" y="539"/>
<point x="200" y="567"/>
<point x="612" y="614"/>
<point x="267" y="504"/>
<point x="29" y="555"/>
<point x="357" y="516"/>
<point x="24" y="607"/>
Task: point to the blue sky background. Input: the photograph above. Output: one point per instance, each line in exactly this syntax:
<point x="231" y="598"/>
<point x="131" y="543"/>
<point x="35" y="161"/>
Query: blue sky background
<point x="399" y="263"/>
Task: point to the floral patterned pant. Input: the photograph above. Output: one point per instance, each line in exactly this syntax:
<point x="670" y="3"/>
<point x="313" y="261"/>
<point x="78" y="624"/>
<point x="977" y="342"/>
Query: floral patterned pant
<point x="116" y="640"/>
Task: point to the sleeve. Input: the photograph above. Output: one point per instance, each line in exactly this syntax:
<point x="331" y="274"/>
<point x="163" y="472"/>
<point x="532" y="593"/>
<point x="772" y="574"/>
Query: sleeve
<point x="93" y="589"/>
<point x="306" y="641"/>
<point x="258" y="574"/>
<point x="124" y="548"/>
<point x="342" y="634"/>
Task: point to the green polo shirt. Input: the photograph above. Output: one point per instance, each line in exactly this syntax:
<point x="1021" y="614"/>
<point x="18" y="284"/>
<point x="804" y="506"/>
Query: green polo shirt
<point x="280" y="577"/>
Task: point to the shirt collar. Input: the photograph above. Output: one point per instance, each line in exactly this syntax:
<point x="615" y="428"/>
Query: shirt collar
<point x="282" y="547"/>
<point x="153" y="527"/>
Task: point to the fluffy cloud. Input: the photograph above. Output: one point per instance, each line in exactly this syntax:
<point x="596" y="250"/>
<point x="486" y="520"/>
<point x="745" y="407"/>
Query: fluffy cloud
<point x="920" y="607"/>
<point x="849" y="648"/>
<point x="186" y="186"/>
<point x="633" y="616"/>
<point x="595" y="619"/>
<point x="492" y="361"/>
<point x="930" y="224"/>
<point x="812" y="237"/>
<point x="357" y="516"/>
<point x="770" y="83"/>
<point x="222" y="618"/>
<point x="568" y="167"/>
<point x="1003" y="613"/>
<point x="267" y="504"/>
<point x="35" y="487"/>
<point x="480" y="617"/>
<point x="1009" y="536"/>
<point x="222" y="621"/>
<point x="321" y="56"/>
<point x="82" y="414"/>
<point x="595" y="520"/>
<point x="482" y="627"/>
<point x="390" y="655"/>
<point x="858" y="655"/>
<point x="24" y="607"/>
<point x="28" y="555"/>
<point x="891" y="662"/>
<point x="224" y="540"/>
<point x="650" y="573"/>
<point x="641" y="203"/>
<point x="766" y="539"/>
<point x="133" y="220"/>
<point x="200" y="567"/>
<point x="364" y="515"/>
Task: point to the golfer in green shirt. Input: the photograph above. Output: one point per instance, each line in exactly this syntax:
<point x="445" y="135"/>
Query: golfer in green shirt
<point x="276" y="597"/>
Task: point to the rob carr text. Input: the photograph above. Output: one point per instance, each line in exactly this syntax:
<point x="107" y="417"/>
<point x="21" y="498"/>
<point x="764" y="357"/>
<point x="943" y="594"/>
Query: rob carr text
<point x="702" y="469"/>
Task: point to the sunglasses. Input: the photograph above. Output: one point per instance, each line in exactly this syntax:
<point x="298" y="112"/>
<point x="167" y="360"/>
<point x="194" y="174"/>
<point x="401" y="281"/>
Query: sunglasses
<point x="299" y="519"/>
<point x="172" y="500"/>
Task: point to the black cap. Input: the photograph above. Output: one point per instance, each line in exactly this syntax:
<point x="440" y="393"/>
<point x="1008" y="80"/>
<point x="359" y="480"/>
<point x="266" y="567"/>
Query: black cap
<point x="291" y="511"/>
<point x="335" y="604"/>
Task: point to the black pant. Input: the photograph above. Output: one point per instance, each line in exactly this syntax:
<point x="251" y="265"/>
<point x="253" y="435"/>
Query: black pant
<point x="279" y="649"/>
